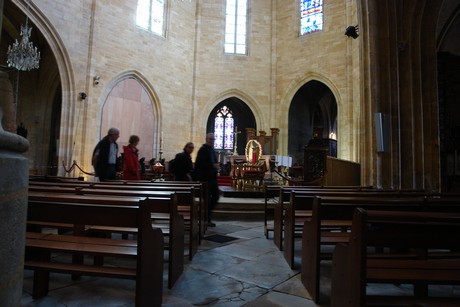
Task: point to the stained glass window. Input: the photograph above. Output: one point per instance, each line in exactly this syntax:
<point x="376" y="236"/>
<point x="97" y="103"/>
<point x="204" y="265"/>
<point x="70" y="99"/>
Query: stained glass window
<point x="223" y="129"/>
<point x="311" y="16"/>
<point x="150" y="15"/>
<point x="219" y="131"/>
<point x="235" y="26"/>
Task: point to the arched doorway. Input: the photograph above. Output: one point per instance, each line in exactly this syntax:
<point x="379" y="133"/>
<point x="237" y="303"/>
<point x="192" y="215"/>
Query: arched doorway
<point x="243" y="118"/>
<point x="37" y="93"/>
<point x="55" y="130"/>
<point x="448" y="31"/>
<point x="313" y="109"/>
<point x="129" y="108"/>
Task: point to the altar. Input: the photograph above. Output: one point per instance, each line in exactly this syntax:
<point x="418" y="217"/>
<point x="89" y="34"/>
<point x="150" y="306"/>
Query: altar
<point x="239" y="159"/>
<point x="250" y="171"/>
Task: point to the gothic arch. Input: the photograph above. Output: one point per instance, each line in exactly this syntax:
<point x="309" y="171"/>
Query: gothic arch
<point x="285" y="104"/>
<point x="133" y="74"/>
<point x="66" y="75"/>
<point x="247" y="99"/>
<point x="151" y="95"/>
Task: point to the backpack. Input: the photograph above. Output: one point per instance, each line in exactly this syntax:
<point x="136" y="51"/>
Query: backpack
<point x="172" y="167"/>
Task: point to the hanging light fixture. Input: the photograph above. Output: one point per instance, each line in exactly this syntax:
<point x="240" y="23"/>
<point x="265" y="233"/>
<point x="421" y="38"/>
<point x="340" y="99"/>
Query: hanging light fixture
<point x="23" y="55"/>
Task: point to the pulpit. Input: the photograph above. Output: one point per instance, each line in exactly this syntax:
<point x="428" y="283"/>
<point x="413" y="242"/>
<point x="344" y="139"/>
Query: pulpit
<point x="314" y="165"/>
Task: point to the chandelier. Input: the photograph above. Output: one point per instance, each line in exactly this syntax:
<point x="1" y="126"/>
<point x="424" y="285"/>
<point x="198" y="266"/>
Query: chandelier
<point x="23" y="55"/>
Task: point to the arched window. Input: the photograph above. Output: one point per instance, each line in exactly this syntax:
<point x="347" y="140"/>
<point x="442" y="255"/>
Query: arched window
<point x="150" y="15"/>
<point x="235" y="26"/>
<point x="311" y="16"/>
<point x="223" y="129"/>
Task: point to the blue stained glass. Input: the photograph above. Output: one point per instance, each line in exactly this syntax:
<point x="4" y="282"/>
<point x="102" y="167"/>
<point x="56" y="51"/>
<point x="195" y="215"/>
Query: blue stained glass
<point x="311" y="16"/>
<point x="229" y="127"/>
<point x="219" y="131"/>
<point x="224" y="125"/>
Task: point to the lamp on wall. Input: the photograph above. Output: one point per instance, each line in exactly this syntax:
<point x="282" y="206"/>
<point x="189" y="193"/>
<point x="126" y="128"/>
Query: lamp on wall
<point x="23" y="55"/>
<point x="352" y="31"/>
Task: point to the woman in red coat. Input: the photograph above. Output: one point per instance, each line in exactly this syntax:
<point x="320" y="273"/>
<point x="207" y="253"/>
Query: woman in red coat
<point x="131" y="159"/>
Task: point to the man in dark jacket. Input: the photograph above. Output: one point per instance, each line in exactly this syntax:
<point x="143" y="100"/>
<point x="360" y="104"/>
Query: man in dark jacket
<point x="182" y="164"/>
<point x="105" y="156"/>
<point x="206" y="168"/>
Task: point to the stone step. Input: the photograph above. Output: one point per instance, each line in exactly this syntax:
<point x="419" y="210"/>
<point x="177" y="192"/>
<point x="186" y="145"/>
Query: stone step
<point x="239" y="208"/>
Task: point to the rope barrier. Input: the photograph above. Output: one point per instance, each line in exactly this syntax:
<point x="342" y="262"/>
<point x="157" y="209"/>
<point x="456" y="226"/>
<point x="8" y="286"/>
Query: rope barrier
<point x="74" y="164"/>
<point x="301" y="183"/>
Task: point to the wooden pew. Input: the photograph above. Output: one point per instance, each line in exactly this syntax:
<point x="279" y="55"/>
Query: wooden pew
<point x="187" y="206"/>
<point x="200" y="191"/>
<point x="270" y="193"/>
<point x="442" y="203"/>
<point x="147" y="250"/>
<point x="353" y="266"/>
<point x="284" y="199"/>
<point x="175" y="228"/>
<point x="335" y="213"/>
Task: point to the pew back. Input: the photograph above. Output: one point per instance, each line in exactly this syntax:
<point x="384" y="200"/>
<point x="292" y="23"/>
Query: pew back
<point x="148" y="250"/>
<point x="353" y="266"/>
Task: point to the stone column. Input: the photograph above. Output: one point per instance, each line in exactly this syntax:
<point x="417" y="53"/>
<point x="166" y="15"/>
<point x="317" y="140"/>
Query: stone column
<point x="14" y="178"/>
<point x="275" y="133"/>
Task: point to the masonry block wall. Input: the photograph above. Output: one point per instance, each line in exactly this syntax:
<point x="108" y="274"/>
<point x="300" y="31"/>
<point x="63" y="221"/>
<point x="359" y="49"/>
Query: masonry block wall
<point x="186" y="73"/>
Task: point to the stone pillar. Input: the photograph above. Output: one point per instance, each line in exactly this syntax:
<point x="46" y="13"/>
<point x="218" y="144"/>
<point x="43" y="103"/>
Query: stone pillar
<point x="275" y="133"/>
<point x="14" y="178"/>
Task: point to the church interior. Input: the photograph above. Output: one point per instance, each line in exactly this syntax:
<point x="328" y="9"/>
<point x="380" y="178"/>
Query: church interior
<point x="347" y="105"/>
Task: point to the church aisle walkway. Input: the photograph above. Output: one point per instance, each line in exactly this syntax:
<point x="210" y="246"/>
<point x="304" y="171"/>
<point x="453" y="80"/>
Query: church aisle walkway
<point x="246" y="271"/>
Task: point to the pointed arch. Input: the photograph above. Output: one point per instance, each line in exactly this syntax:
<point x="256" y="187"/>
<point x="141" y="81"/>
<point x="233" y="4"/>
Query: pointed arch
<point x="70" y="109"/>
<point x="150" y="131"/>
<point x="291" y="90"/>
<point x="246" y="98"/>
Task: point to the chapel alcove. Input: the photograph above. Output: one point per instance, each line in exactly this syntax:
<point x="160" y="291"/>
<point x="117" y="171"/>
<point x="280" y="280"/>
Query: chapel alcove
<point x="313" y="108"/>
<point x="37" y="93"/>
<point x="243" y="118"/>
<point x="448" y="91"/>
<point x="129" y="108"/>
<point x="55" y="130"/>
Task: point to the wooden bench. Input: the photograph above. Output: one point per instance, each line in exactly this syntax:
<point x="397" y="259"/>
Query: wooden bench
<point x="147" y="251"/>
<point x="270" y="193"/>
<point x="354" y="267"/>
<point x="187" y="205"/>
<point x="175" y="228"/>
<point x="284" y="199"/>
<point x="329" y="224"/>
<point x="200" y="192"/>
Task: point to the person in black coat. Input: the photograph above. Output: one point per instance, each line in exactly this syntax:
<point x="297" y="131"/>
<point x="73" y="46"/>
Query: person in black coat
<point x="182" y="165"/>
<point x="206" y="168"/>
<point x="105" y="156"/>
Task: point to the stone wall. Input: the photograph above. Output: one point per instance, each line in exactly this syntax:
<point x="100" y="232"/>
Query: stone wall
<point x="186" y="73"/>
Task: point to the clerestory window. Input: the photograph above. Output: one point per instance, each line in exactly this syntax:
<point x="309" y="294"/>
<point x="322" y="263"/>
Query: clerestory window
<point x="311" y="16"/>
<point x="236" y="26"/>
<point x="151" y="15"/>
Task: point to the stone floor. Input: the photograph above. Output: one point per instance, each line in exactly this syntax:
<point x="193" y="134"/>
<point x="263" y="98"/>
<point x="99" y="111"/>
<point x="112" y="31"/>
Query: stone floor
<point x="248" y="271"/>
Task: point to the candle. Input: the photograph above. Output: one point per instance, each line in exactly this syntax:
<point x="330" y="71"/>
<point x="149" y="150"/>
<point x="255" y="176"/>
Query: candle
<point x="161" y="140"/>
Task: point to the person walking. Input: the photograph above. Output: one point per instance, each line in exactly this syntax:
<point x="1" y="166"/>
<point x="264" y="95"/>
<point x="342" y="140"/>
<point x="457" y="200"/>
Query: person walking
<point x="206" y="168"/>
<point x="131" y="159"/>
<point x="105" y="156"/>
<point x="182" y="164"/>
